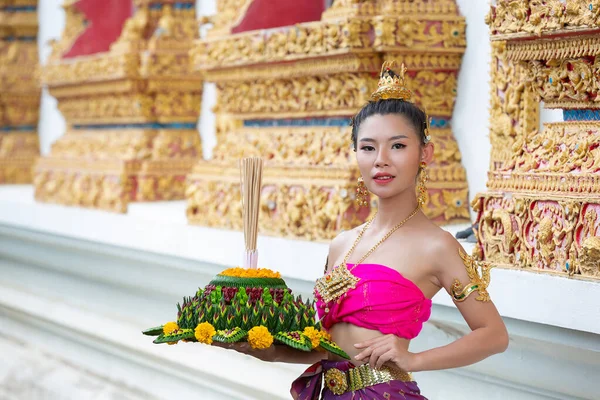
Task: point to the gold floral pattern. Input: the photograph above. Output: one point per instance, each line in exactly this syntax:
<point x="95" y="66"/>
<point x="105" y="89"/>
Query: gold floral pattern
<point x="144" y="79"/>
<point x="19" y="95"/>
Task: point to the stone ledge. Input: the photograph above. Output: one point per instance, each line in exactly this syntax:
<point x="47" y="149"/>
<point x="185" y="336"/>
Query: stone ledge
<point x="28" y="373"/>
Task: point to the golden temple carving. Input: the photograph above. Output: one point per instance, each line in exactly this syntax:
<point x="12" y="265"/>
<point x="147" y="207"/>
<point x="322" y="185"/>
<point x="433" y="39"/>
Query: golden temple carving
<point x="19" y="90"/>
<point x="525" y="17"/>
<point x="363" y="8"/>
<point x="442" y="37"/>
<point x="541" y="210"/>
<point x="287" y="94"/>
<point x="514" y="111"/>
<point x="330" y="95"/>
<point x="567" y="79"/>
<point x="298" y="203"/>
<point x="131" y="112"/>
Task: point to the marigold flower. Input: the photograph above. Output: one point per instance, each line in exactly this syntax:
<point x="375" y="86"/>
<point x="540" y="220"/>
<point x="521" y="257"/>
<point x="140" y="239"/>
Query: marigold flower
<point x="314" y="336"/>
<point x="250" y="273"/>
<point x="260" y="338"/>
<point x="170" y="327"/>
<point x="204" y="333"/>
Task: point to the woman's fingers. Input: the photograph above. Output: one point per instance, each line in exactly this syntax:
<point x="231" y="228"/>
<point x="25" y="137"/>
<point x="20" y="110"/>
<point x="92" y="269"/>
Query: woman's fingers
<point x="376" y="354"/>
<point x="388" y="356"/>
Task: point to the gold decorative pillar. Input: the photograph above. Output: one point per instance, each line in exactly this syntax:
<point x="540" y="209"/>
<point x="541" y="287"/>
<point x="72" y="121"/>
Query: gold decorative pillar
<point x="543" y="200"/>
<point x="287" y="95"/>
<point x="19" y="90"/>
<point x="131" y="111"/>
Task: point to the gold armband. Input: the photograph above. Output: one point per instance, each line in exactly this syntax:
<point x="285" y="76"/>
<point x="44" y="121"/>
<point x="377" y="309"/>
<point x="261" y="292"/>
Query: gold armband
<point x="477" y="282"/>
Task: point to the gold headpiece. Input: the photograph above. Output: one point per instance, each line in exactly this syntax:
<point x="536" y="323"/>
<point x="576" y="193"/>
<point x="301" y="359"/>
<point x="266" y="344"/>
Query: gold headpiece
<point x="391" y="84"/>
<point x="427" y="127"/>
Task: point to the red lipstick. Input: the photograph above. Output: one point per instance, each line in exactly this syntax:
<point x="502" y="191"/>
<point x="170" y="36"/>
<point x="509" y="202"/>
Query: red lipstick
<point x="383" y="178"/>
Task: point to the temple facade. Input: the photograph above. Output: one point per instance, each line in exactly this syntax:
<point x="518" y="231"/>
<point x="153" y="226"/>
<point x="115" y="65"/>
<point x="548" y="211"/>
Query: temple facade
<point x="288" y="92"/>
<point x="120" y="72"/>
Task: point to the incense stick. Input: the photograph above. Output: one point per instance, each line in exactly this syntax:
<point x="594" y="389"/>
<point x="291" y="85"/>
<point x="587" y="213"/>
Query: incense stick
<point x="251" y="182"/>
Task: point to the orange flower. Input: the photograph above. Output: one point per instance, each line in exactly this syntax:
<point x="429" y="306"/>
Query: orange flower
<point x="170" y="327"/>
<point x="250" y="273"/>
<point x="204" y="333"/>
<point x="259" y="337"/>
<point x="314" y="336"/>
<point x="325" y="334"/>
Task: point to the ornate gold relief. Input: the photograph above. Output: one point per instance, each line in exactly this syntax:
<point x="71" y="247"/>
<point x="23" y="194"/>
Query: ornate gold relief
<point x="326" y="39"/>
<point x="366" y="8"/>
<point x="145" y="165"/>
<point x="542" y="209"/>
<point x="131" y="112"/>
<point x="332" y="95"/>
<point x="287" y="95"/>
<point x="559" y="82"/>
<point x="313" y="203"/>
<point x="19" y="90"/>
<point x="514" y="111"/>
<point x="553" y="234"/>
<point x="526" y="17"/>
<point x="287" y="146"/>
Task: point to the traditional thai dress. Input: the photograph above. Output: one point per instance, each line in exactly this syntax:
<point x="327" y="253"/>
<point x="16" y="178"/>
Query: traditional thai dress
<point x="382" y="300"/>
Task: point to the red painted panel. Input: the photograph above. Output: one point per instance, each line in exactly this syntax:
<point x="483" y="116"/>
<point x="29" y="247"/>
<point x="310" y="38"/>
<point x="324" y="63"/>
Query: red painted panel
<point x="105" y="19"/>
<point x="265" y="14"/>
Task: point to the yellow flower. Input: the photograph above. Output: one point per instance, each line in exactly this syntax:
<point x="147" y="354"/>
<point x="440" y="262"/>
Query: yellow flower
<point x="170" y="327"/>
<point x="204" y="333"/>
<point x="250" y="273"/>
<point x="314" y="336"/>
<point x="325" y="335"/>
<point x="260" y="338"/>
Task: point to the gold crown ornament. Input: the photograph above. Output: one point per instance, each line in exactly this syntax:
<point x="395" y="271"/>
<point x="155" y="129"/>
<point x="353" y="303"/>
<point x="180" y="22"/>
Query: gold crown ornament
<point x="391" y="84"/>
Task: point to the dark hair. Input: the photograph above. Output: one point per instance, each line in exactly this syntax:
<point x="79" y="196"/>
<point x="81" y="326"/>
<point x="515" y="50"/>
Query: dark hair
<point x="391" y="106"/>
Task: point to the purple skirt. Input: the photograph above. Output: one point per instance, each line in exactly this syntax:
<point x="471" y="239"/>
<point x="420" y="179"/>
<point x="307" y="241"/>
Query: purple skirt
<point x="308" y="386"/>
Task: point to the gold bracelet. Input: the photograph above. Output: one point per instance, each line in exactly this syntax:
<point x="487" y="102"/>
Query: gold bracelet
<point x="477" y="282"/>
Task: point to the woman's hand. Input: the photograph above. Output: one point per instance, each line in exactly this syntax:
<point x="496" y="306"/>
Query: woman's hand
<point x="275" y="353"/>
<point x="268" y="354"/>
<point x="385" y="349"/>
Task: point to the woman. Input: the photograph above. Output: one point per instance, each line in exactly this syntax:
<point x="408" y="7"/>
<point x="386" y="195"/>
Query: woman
<point x="380" y="278"/>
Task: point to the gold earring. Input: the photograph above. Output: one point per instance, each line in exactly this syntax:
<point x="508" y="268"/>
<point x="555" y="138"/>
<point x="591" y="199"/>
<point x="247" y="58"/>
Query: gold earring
<point x="422" y="196"/>
<point x="362" y="193"/>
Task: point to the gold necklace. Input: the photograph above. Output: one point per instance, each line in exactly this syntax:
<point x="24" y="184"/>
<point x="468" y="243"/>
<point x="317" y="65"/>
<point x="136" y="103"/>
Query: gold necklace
<point x="340" y="280"/>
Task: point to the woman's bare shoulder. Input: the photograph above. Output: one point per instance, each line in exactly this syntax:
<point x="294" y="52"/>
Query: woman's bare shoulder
<point x="342" y="242"/>
<point x="441" y="244"/>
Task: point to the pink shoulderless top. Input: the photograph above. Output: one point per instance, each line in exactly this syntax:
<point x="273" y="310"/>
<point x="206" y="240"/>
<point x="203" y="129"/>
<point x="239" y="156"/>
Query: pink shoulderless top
<point x="383" y="300"/>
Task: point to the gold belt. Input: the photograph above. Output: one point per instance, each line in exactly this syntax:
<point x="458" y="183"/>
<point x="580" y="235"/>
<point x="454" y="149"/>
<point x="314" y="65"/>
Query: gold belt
<point x="340" y="382"/>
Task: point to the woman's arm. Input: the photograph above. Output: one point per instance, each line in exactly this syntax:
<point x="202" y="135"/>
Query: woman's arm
<point x="488" y="334"/>
<point x="276" y="353"/>
<point x="485" y="339"/>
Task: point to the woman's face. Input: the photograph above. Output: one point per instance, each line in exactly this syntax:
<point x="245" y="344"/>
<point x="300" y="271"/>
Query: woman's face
<point x="389" y="151"/>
